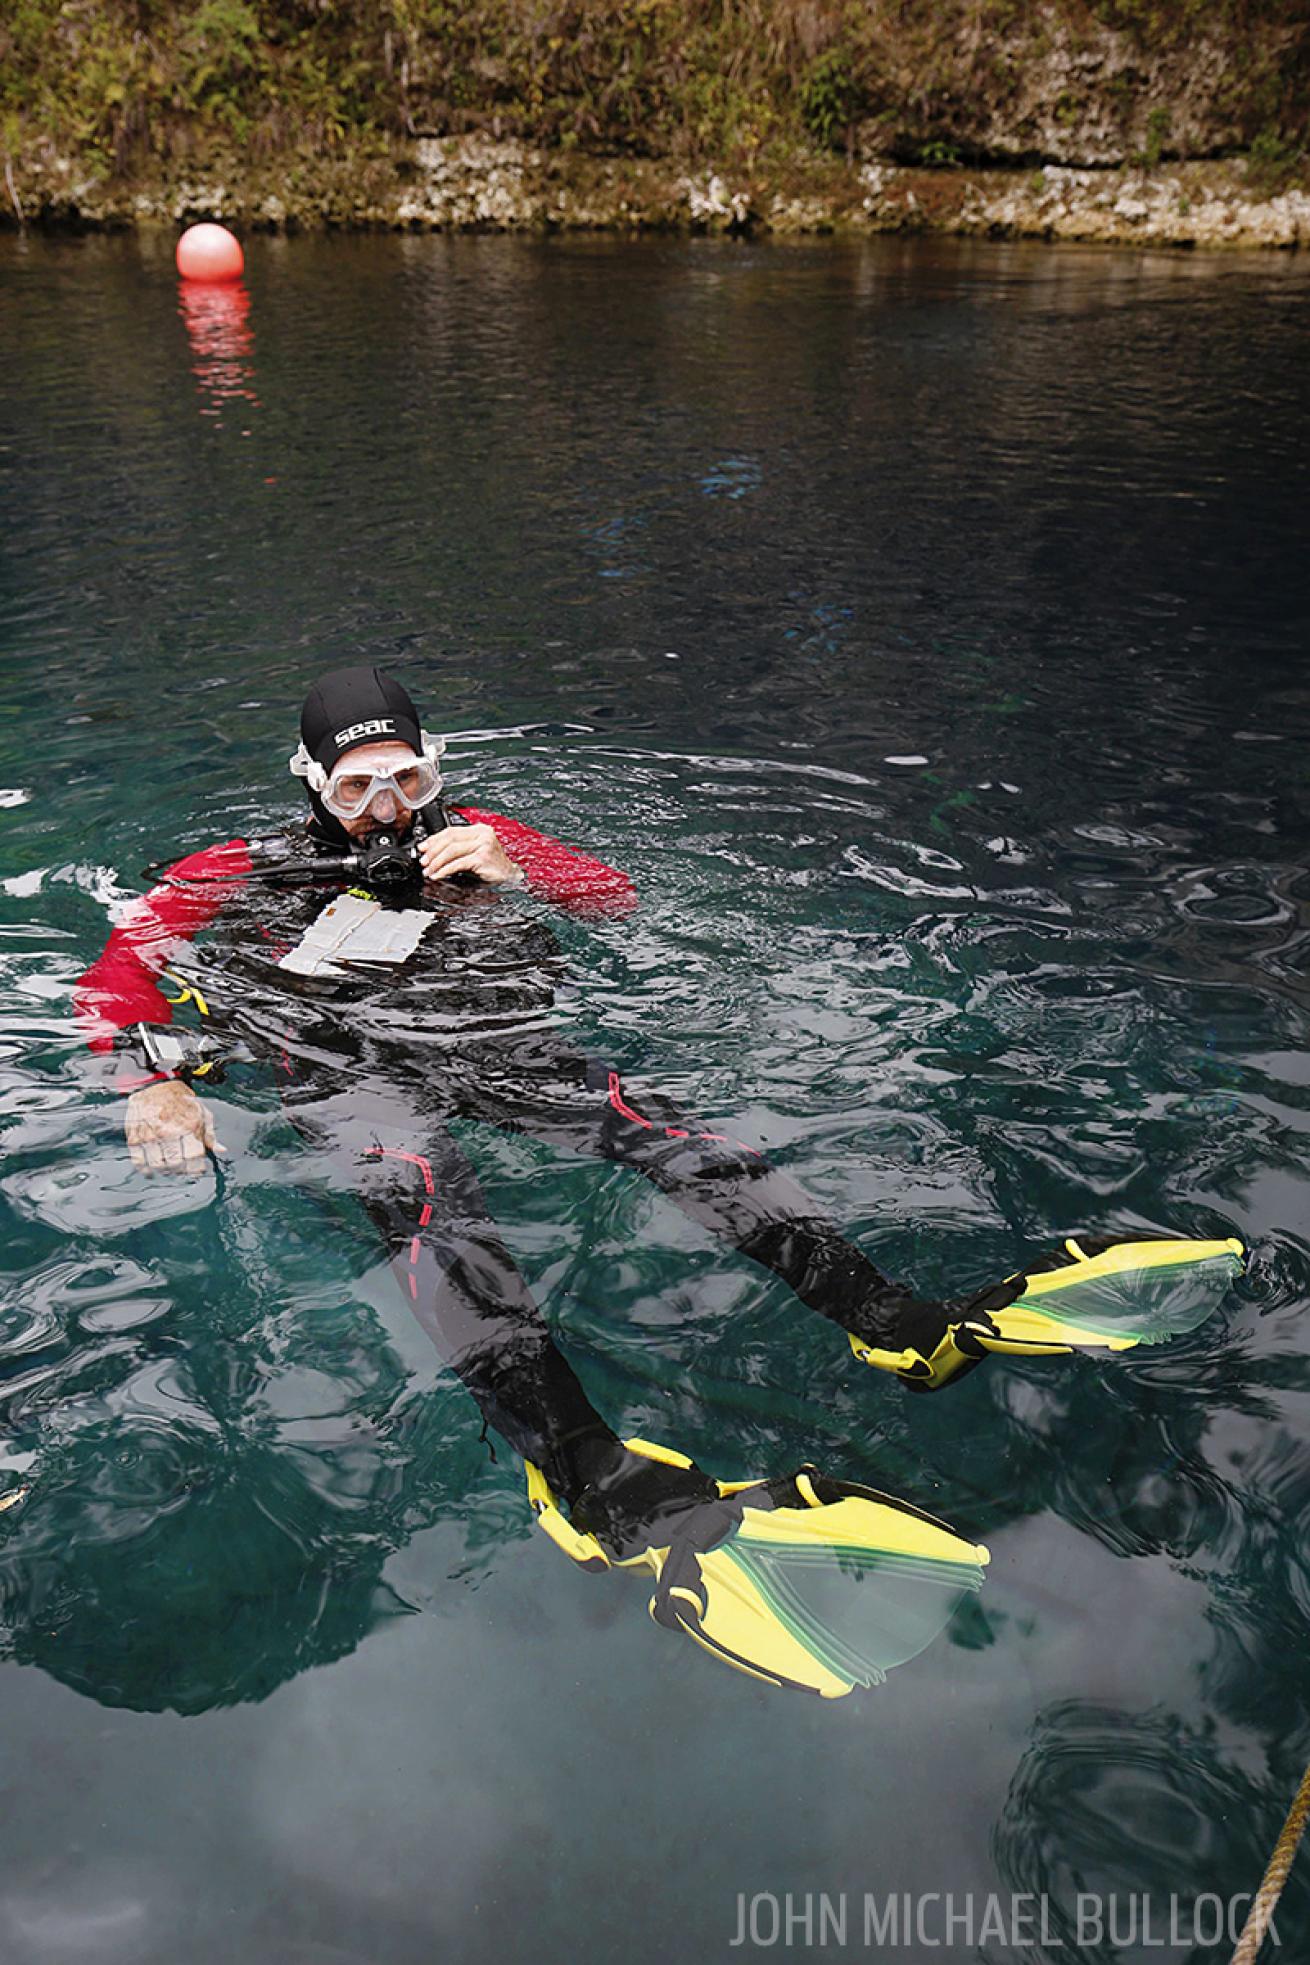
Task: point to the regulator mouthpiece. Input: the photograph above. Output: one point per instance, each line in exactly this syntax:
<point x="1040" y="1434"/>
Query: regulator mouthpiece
<point x="387" y="863"/>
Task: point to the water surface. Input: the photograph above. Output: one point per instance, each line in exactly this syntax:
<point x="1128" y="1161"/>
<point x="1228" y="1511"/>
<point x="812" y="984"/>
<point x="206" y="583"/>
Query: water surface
<point x="922" y="624"/>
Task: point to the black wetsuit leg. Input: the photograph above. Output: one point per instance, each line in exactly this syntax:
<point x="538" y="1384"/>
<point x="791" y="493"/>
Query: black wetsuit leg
<point x="541" y="1086"/>
<point x="454" y="1271"/>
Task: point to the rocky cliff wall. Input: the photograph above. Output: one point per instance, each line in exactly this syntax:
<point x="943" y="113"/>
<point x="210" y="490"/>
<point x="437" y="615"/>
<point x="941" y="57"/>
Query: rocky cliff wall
<point x="1173" y="121"/>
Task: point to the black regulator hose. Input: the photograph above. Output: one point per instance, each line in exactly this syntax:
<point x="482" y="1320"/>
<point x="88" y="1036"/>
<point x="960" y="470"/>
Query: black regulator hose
<point x="383" y="861"/>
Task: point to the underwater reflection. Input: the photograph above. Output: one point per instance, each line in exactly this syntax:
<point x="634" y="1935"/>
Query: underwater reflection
<point x="1138" y="1834"/>
<point x="206" y="1525"/>
<point x="217" y="321"/>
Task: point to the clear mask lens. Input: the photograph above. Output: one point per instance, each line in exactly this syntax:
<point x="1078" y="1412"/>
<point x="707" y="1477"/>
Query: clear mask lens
<point x="349" y="793"/>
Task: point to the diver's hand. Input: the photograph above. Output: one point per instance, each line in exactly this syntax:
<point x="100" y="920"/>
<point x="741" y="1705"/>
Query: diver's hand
<point x="631" y="1504"/>
<point x="168" y="1129"/>
<point x="468" y="849"/>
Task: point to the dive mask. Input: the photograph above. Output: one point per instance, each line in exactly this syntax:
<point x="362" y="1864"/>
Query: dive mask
<point x="348" y="792"/>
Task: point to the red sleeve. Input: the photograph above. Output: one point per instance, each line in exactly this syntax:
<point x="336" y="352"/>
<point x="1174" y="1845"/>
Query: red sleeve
<point x="557" y="872"/>
<point x="120" y="987"/>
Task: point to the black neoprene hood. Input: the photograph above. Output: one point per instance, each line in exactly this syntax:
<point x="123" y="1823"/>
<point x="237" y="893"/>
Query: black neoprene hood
<point x="357" y="706"/>
<point x="346" y="708"/>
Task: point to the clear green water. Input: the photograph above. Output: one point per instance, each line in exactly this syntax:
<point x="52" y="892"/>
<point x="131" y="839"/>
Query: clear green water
<point x="688" y="541"/>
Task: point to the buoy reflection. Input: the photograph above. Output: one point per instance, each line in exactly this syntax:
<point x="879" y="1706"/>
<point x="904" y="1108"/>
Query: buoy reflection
<point x="222" y="342"/>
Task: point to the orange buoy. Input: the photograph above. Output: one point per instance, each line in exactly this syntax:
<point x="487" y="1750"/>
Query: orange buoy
<point x="209" y="252"/>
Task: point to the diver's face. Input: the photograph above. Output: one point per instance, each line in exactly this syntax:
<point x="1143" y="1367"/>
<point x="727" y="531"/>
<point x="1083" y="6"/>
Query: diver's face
<point x="384" y="812"/>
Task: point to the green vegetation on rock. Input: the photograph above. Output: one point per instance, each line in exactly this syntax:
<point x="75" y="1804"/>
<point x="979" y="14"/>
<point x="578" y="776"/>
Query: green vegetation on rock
<point x="141" y="91"/>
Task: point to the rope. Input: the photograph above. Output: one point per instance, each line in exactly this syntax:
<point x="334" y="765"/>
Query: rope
<point x="1271" y="1889"/>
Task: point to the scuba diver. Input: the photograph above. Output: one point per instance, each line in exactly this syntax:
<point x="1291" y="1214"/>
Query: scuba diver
<point x="376" y="962"/>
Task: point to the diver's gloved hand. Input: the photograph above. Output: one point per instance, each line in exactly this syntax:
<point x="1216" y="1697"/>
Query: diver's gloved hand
<point x="631" y="1503"/>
